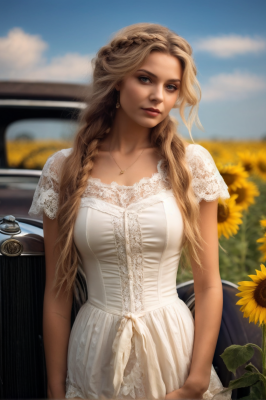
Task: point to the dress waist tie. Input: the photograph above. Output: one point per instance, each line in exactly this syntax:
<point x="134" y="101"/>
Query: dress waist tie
<point x="145" y="351"/>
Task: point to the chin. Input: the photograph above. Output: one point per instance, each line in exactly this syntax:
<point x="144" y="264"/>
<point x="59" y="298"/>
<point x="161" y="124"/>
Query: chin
<point x="148" y="123"/>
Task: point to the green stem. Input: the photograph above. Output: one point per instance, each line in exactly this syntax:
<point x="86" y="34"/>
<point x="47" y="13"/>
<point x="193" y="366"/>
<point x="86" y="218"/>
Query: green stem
<point x="244" y="244"/>
<point x="264" y="349"/>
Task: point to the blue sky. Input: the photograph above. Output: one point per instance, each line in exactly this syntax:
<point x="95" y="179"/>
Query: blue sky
<point x="55" y="40"/>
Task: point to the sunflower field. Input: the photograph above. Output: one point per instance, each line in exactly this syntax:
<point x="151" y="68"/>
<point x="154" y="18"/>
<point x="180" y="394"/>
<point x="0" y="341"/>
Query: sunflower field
<point x="241" y="218"/>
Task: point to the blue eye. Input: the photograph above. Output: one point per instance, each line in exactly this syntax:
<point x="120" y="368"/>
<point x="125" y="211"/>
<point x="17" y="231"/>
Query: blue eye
<point x="173" y="87"/>
<point x="143" y="77"/>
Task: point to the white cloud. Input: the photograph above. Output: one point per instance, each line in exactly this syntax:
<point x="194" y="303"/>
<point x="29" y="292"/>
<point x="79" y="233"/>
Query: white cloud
<point x="234" y="86"/>
<point x="22" y="58"/>
<point x="227" y="46"/>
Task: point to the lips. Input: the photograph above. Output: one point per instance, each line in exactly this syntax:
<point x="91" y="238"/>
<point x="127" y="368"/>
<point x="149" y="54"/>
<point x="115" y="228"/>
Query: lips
<point x="152" y="110"/>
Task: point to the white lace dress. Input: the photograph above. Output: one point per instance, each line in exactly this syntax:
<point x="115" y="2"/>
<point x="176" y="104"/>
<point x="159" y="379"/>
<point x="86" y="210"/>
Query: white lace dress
<point x="133" y="338"/>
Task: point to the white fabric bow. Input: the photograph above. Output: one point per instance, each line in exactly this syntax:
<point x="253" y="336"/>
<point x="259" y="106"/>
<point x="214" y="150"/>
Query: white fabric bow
<point x="144" y="348"/>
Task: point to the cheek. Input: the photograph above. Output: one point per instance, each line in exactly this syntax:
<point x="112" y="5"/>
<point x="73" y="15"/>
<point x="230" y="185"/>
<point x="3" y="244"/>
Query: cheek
<point x="133" y="93"/>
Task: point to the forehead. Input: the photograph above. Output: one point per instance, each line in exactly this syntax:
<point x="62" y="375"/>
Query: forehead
<point x="164" y="66"/>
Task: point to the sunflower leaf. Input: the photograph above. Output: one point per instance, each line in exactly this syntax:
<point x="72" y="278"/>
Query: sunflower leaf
<point x="234" y="356"/>
<point x="250" y="367"/>
<point x="246" y="380"/>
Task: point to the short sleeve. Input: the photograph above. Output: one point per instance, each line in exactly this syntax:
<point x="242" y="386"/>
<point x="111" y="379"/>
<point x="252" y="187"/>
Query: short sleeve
<point x="46" y="195"/>
<point x="207" y="182"/>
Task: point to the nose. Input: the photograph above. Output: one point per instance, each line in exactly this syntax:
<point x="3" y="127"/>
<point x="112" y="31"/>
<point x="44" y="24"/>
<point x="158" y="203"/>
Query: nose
<point x="157" y="93"/>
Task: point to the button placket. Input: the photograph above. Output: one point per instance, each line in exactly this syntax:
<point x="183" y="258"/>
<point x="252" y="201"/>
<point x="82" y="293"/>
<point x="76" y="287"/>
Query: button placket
<point x="129" y="263"/>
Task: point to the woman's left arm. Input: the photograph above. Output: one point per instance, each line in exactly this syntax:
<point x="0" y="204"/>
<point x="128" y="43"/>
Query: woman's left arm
<point x="208" y="306"/>
<point x="208" y="300"/>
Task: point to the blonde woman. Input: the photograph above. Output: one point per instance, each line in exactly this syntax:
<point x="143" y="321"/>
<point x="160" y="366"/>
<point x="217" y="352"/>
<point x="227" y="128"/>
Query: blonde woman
<point x="122" y="204"/>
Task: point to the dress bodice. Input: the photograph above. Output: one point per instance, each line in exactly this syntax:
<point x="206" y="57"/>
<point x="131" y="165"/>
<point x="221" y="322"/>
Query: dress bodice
<point x="129" y="237"/>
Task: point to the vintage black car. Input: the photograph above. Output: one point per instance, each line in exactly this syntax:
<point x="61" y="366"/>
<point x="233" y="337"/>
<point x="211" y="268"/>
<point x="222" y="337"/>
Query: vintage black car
<point x="36" y="120"/>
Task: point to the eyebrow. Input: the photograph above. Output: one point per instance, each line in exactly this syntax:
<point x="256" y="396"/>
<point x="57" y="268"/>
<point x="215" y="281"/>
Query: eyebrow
<point x="150" y="73"/>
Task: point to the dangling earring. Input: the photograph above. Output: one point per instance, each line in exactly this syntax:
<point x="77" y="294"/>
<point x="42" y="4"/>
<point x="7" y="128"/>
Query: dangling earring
<point x="117" y="101"/>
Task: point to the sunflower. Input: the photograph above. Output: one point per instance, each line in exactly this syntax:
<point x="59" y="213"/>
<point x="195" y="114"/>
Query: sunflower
<point x="229" y="217"/>
<point x="247" y="160"/>
<point x="262" y="240"/>
<point x="260" y="164"/>
<point x="245" y="194"/>
<point x="253" y="293"/>
<point x="233" y="175"/>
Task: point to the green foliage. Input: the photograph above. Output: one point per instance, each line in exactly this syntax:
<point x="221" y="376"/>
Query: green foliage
<point x="234" y="356"/>
<point x="241" y="256"/>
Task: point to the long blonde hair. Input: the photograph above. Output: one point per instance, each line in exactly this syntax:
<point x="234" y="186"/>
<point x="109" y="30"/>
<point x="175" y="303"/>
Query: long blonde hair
<point x="123" y="55"/>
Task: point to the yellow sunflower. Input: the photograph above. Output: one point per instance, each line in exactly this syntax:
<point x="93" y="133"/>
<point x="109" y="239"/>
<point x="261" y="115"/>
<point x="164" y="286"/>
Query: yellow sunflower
<point x="245" y="194"/>
<point x="247" y="160"/>
<point x="253" y="293"/>
<point x="262" y="240"/>
<point x="234" y="175"/>
<point x="260" y="164"/>
<point x="229" y="217"/>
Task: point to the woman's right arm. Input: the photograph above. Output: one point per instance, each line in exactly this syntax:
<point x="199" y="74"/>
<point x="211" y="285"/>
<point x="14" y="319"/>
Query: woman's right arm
<point x="56" y="318"/>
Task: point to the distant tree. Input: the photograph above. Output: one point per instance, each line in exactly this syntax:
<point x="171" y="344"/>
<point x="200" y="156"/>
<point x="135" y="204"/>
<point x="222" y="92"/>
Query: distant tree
<point x="24" y="136"/>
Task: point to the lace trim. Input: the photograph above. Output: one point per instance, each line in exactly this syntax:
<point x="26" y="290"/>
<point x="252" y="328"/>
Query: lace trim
<point x="132" y="385"/>
<point x="46" y="195"/>
<point x="136" y="260"/>
<point x="120" y="242"/>
<point x="72" y="390"/>
<point x="122" y="195"/>
<point x="207" y="182"/>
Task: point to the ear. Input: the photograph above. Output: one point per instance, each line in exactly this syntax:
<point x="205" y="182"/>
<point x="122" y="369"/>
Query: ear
<point x="118" y="86"/>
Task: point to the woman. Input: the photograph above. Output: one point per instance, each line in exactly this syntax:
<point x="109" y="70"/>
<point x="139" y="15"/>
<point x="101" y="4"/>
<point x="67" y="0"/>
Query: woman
<point x="123" y="204"/>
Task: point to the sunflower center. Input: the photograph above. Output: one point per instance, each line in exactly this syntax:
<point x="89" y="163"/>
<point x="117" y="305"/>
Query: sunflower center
<point x="262" y="166"/>
<point x="241" y="192"/>
<point x="260" y="294"/>
<point x="248" y="166"/>
<point x="229" y="178"/>
<point x="223" y="213"/>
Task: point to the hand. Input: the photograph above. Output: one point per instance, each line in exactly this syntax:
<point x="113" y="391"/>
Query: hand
<point x="185" y="392"/>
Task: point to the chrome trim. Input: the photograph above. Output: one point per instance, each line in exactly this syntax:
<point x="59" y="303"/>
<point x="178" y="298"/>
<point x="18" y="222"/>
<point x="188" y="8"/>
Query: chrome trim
<point x="230" y="284"/>
<point x="180" y="285"/>
<point x="20" y="172"/>
<point x="43" y="103"/>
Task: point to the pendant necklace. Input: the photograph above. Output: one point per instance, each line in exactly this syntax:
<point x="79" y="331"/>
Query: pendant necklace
<point x="122" y="171"/>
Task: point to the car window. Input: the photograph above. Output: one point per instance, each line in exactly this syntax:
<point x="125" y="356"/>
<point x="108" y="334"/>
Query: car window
<point x="30" y="142"/>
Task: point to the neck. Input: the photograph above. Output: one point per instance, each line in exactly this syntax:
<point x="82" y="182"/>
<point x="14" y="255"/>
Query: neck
<point x="126" y="135"/>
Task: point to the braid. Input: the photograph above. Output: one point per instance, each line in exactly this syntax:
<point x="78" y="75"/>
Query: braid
<point x="125" y="42"/>
<point x="67" y="274"/>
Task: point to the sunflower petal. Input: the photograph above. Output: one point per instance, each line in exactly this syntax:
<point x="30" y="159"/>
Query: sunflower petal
<point x="255" y="278"/>
<point x="247" y="283"/>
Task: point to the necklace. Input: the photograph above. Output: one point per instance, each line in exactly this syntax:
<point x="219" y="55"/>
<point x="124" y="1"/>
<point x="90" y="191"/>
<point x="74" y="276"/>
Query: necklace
<point x="122" y="171"/>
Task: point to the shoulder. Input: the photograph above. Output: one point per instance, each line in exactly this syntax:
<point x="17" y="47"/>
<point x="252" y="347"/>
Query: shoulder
<point x="200" y="158"/>
<point x="207" y="182"/>
<point x="54" y="162"/>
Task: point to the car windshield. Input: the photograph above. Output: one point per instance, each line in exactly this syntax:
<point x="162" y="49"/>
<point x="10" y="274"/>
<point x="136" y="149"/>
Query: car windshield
<point x="29" y="142"/>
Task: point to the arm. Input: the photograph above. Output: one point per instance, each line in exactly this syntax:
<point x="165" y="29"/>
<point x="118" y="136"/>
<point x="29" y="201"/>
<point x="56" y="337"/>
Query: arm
<point x="56" y="318"/>
<point x="208" y="300"/>
<point x="208" y="307"/>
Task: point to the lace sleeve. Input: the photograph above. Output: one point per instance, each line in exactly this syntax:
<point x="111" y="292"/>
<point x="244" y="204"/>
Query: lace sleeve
<point x="207" y="182"/>
<point x="46" y="195"/>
